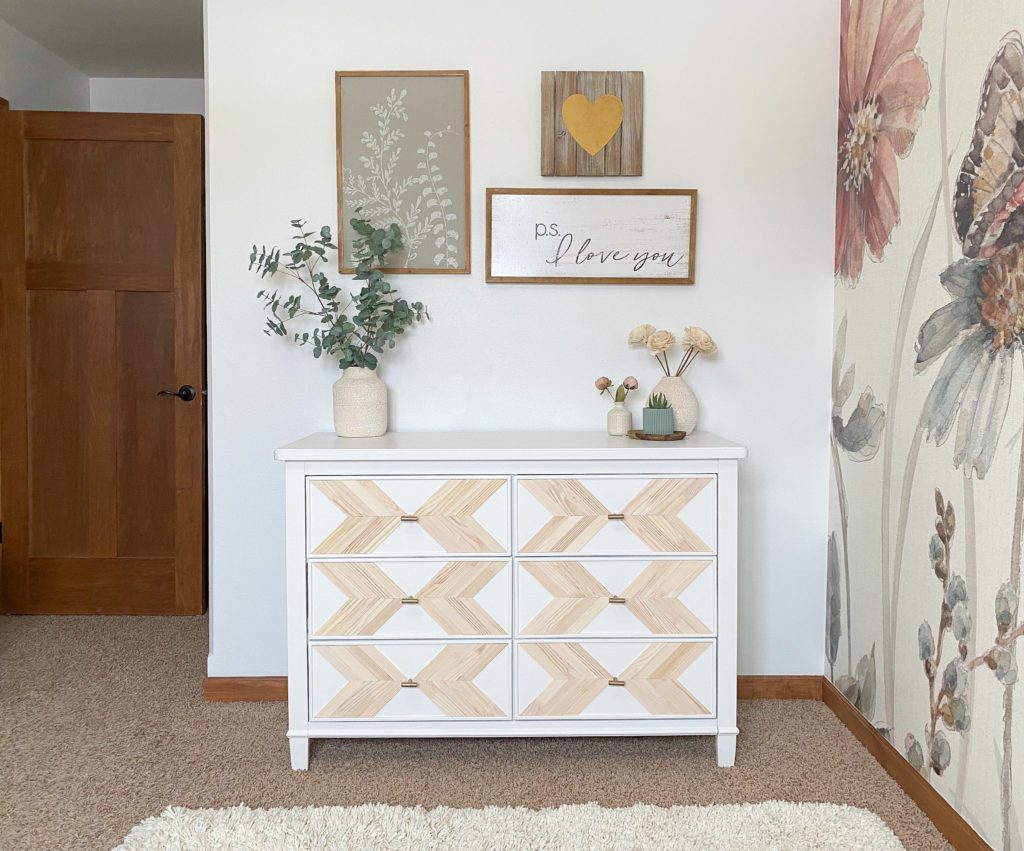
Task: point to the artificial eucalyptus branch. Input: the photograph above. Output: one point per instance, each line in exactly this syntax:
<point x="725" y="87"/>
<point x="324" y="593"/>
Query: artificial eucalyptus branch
<point x="357" y="331"/>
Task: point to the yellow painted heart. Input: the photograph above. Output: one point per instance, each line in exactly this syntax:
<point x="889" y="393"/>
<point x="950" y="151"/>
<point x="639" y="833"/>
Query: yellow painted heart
<point x="592" y="123"/>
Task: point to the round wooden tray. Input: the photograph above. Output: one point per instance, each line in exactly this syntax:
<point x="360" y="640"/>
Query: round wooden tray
<point x="638" y="434"/>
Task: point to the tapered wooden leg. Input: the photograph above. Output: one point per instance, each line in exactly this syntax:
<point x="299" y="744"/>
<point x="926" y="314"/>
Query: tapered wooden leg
<point x="726" y="747"/>
<point x="300" y="752"/>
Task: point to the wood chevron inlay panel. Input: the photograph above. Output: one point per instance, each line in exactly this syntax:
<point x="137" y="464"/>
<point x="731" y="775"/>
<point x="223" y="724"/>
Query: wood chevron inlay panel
<point x="578" y="597"/>
<point x="651" y="679"/>
<point x="577" y="678"/>
<point x="374" y="598"/>
<point x="449" y="598"/>
<point x="372" y="682"/>
<point x="371" y="516"/>
<point x="447" y="680"/>
<point x="653" y="598"/>
<point x="577" y="515"/>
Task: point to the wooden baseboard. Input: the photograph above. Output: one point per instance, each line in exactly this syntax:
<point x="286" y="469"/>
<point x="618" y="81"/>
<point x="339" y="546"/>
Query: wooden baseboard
<point x="245" y="688"/>
<point x="779" y="688"/>
<point x="949" y="822"/>
<point x="748" y="688"/>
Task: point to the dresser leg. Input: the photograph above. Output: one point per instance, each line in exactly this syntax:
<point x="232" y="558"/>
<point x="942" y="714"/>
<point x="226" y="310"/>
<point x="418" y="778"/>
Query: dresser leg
<point x="300" y="752"/>
<point x="726" y="747"/>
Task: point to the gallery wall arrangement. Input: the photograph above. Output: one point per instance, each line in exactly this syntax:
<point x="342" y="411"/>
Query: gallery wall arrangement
<point x="924" y="553"/>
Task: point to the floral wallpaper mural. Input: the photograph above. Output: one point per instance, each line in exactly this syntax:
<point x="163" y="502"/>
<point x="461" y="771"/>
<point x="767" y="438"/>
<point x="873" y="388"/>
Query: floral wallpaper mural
<point x="923" y="628"/>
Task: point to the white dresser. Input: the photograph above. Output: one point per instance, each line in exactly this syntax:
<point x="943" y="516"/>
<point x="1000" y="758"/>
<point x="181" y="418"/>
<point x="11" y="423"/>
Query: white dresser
<point x="511" y="584"/>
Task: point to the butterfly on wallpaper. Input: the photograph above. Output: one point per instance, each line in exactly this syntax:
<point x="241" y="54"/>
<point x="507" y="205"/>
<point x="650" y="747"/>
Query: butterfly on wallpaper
<point x="989" y="205"/>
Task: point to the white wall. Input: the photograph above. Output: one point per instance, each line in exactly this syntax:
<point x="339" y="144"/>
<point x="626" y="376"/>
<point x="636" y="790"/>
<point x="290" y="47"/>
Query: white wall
<point x="31" y="77"/>
<point x="147" y="94"/>
<point x="740" y="105"/>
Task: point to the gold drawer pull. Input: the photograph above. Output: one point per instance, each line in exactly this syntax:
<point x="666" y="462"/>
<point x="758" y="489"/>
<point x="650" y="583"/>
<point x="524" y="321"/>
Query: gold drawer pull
<point x="409" y="518"/>
<point x="614" y="681"/>
<point x="412" y="600"/>
<point x="409" y="684"/>
<point x="616" y="516"/>
<point x="616" y="599"/>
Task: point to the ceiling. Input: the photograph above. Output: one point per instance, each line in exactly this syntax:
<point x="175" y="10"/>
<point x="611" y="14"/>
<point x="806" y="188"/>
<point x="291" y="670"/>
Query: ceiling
<point x="116" y="38"/>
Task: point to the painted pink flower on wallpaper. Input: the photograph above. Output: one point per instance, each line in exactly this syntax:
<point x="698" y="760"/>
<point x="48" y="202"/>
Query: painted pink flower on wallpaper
<point x="883" y="90"/>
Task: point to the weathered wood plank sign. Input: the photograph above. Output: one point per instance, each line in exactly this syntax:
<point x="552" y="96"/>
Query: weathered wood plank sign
<point x="591" y="236"/>
<point x="591" y="123"/>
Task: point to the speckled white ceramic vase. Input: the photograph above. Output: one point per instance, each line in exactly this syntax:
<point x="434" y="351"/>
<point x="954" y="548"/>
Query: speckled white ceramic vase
<point x="685" y="408"/>
<point x="620" y="420"/>
<point x="360" y="404"/>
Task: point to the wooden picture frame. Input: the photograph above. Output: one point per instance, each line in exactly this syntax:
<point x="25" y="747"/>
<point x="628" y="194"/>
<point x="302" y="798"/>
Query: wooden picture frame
<point x="516" y="229"/>
<point x="452" y="198"/>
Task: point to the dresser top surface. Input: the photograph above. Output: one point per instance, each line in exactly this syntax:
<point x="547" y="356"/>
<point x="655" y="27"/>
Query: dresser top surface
<point x="506" y="446"/>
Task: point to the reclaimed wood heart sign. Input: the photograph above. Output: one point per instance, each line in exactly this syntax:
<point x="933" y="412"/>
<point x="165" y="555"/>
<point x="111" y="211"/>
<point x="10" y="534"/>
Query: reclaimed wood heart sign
<point x="591" y="236"/>
<point x="592" y="123"/>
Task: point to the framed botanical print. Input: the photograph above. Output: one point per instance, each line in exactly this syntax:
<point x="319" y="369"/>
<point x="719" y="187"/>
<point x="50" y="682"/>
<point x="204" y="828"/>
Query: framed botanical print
<point x="403" y="156"/>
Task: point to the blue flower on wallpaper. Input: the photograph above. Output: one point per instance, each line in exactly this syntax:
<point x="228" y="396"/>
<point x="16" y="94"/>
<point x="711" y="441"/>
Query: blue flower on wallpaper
<point x="979" y="331"/>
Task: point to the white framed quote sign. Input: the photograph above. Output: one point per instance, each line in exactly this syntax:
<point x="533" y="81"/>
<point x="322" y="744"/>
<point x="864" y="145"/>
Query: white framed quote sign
<point x="591" y="236"/>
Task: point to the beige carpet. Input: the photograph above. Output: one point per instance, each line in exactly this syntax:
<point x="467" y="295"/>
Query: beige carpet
<point x="102" y="724"/>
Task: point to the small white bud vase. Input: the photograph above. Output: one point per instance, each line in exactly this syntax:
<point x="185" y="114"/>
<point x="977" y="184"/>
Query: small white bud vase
<point x="360" y="404"/>
<point x="620" y="420"/>
<point x="685" y="408"/>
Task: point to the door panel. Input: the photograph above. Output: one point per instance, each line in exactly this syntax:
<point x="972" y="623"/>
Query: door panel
<point x="70" y="417"/>
<point x="101" y="202"/>
<point x="145" y="424"/>
<point x="101" y="273"/>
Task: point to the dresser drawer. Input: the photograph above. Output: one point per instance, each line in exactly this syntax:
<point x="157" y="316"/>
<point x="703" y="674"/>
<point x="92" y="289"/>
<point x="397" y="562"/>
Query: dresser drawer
<point x="616" y="515"/>
<point x="616" y="679"/>
<point x="616" y="598"/>
<point x="409" y="599"/>
<point x="408" y="516"/>
<point x="397" y="681"/>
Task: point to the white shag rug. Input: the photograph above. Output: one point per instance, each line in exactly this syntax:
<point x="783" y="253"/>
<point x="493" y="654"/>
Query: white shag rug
<point x="768" y="826"/>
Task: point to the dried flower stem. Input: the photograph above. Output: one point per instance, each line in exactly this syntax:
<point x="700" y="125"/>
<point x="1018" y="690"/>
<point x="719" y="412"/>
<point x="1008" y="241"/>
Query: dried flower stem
<point x="689" y="357"/>
<point x="932" y="667"/>
<point x="1000" y="643"/>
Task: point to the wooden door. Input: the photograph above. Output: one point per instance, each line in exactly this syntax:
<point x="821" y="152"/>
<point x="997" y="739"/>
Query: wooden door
<point x="101" y="281"/>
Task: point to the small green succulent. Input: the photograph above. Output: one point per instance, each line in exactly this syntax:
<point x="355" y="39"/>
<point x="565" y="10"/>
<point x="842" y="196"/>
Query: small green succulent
<point x="658" y="402"/>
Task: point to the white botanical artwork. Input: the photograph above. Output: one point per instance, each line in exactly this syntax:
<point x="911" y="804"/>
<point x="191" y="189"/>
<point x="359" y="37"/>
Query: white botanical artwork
<point x="403" y="158"/>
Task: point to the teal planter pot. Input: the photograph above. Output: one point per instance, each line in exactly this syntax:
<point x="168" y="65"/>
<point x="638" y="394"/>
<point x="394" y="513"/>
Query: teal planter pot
<point x="658" y="421"/>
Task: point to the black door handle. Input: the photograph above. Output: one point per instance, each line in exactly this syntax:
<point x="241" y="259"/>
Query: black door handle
<point x="186" y="393"/>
